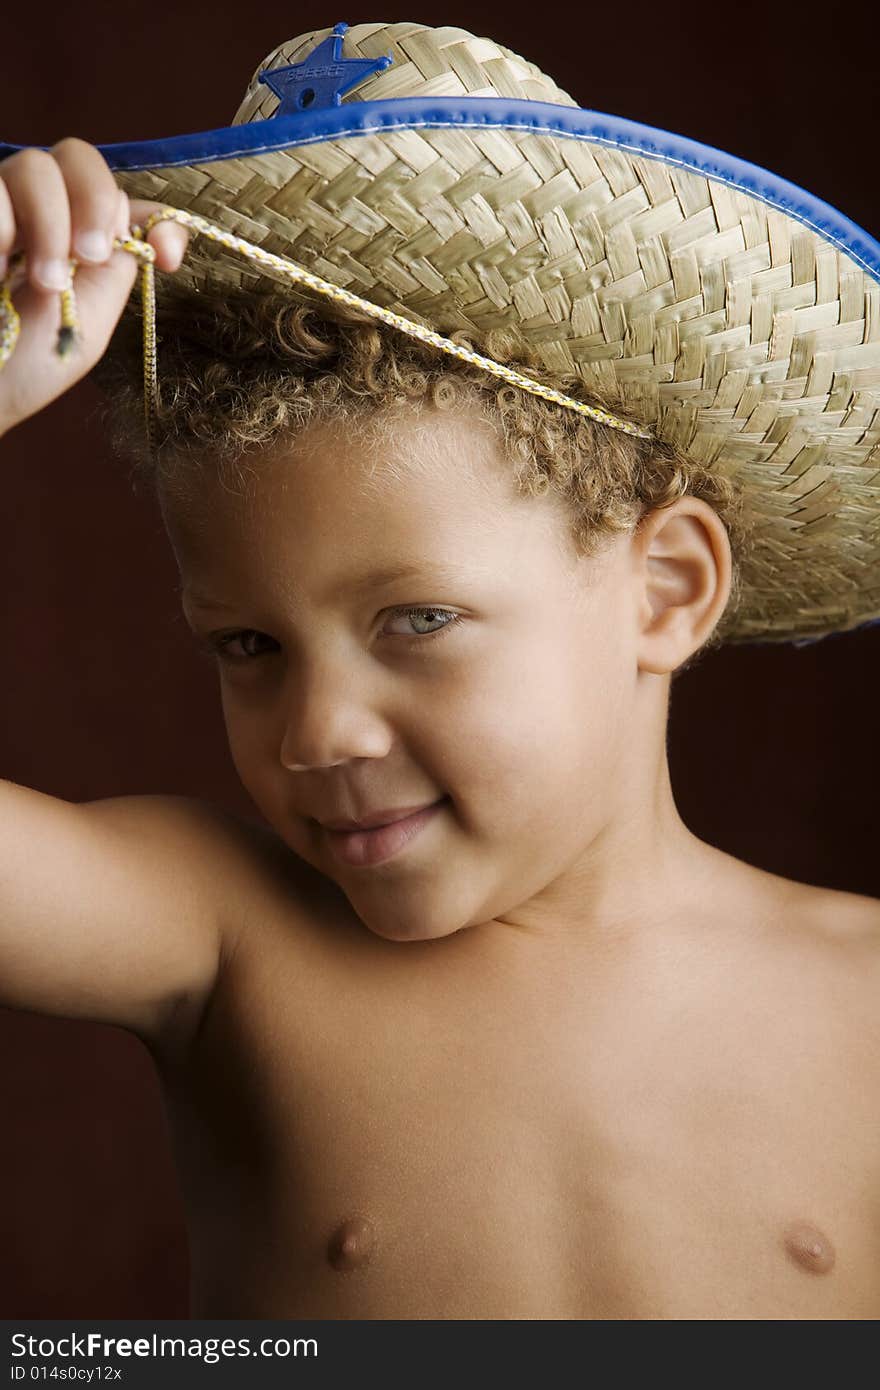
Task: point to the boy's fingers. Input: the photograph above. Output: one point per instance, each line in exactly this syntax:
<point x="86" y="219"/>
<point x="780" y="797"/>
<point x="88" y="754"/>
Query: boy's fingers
<point x="40" y="212"/>
<point x="169" y="239"/>
<point x="124" y="218"/>
<point x="92" y="194"/>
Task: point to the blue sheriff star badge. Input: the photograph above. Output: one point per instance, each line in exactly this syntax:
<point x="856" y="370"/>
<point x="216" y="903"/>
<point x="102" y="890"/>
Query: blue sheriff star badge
<point x="321" y="79"/>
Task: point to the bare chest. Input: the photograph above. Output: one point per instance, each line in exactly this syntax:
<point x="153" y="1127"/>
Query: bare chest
<point x="389" y="1153"/>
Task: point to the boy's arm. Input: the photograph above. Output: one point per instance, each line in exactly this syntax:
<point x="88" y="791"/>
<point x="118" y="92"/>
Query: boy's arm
<point x="111" y="910"/>
<point x="116" y="910"/>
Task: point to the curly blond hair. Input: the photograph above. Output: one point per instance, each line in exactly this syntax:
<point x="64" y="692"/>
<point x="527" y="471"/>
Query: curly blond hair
<point x="243" y="372"/>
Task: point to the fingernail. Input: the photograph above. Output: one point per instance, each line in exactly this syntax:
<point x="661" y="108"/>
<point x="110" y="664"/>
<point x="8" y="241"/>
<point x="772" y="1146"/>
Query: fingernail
<point x="92" y="246"/>
<point x="53" y="275"/>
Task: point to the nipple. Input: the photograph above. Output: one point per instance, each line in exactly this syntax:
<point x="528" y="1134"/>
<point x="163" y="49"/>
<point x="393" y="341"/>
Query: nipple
<point x="809" y="1247"/>
<point x="351" y="1243"/>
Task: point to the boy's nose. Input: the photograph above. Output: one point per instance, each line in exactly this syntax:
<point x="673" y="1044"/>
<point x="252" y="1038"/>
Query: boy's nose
<point x="329" y="728"/>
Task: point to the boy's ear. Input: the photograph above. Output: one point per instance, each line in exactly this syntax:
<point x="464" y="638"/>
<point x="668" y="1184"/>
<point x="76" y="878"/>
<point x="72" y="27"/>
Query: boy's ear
<point x="682" y="570"/>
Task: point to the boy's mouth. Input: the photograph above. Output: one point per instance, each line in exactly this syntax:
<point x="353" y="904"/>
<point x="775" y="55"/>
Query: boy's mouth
<point x="376" y="818"/>
<point x="362" y="846"/>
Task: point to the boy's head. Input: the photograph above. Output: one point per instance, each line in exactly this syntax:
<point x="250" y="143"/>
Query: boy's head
<point x="564" y="571"/>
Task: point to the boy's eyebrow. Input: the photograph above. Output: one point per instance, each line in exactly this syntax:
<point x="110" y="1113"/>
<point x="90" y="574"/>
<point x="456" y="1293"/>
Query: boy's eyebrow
<point x="408" y="570"/>
<point x="376" y="579"/>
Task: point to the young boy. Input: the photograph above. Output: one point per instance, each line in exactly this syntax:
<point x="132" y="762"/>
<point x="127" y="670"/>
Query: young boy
<point x="530" y="1049"/>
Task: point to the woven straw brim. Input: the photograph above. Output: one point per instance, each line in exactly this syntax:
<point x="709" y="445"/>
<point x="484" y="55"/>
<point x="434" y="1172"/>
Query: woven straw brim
<point x="722" y="322"/>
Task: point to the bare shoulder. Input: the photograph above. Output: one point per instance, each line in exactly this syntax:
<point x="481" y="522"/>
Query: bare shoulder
<point x="206" y="877"/>
<point x="272" y="900"/>
<point x="834" y="956"/>
<point x="841" y="919"/>
<point x="278" y="917"/>
<point x="830" y="915"/>
<point x="846" y="929"/>
<point x="802" y="925"/>
<point x="122" y="910"/>
<point x="812" y="954"/>
<point x="246" y="869"/>
<point x="223" y="856"/>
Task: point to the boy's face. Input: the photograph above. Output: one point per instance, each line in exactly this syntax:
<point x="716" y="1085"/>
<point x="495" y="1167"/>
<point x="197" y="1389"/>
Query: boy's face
<point x="520" y="717"/>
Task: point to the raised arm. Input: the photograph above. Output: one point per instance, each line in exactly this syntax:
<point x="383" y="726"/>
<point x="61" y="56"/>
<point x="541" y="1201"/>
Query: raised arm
<point x="115" y="910"/>
<point x="111" y="909"/>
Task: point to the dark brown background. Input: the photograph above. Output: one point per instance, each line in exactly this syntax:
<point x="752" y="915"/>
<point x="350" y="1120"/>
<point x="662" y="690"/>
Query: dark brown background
<point x="773" y="750"/>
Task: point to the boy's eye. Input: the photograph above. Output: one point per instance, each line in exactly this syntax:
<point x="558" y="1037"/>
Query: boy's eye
<point x="219" y="644"/>
<point x="416" y="616"/>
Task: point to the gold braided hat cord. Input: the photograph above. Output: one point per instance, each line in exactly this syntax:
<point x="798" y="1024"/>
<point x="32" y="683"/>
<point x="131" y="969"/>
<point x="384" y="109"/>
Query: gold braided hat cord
<point x="138" y="246"/>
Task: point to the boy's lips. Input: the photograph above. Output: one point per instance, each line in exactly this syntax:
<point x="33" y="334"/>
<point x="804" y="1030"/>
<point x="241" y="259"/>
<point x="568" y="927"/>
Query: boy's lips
<point x="363" y="847"/>
<point x="376" y="818"/>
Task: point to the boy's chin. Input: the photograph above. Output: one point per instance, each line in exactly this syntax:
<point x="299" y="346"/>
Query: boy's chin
<point x="406" y="931"/>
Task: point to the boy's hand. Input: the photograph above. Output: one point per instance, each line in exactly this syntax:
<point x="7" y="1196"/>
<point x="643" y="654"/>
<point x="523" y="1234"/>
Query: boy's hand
<point x="53" y="204"/>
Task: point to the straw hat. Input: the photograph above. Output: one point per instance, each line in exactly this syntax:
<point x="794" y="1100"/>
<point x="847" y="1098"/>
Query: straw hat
<point x="440" y="175"/>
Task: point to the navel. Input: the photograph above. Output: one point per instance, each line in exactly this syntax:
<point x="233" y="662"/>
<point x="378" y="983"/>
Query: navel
<point x="351" y="1244"/>
<point x="809" y="1247"/>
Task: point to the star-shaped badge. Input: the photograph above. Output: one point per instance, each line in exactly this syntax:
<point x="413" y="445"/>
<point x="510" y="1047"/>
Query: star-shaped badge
<point x="322" y="78"/>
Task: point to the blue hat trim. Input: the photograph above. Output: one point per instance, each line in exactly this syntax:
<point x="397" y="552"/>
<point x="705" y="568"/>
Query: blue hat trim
<point x="354" y="118"/>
